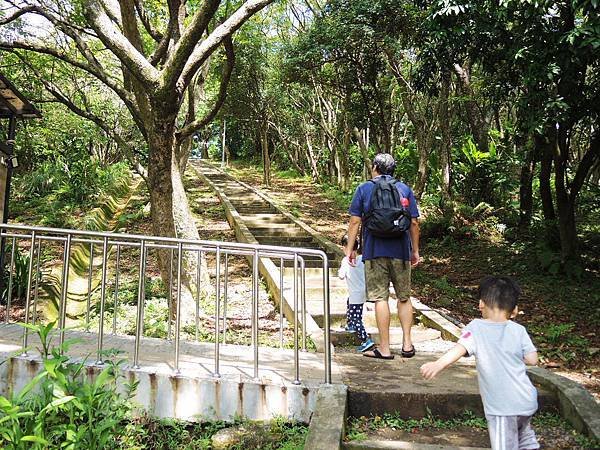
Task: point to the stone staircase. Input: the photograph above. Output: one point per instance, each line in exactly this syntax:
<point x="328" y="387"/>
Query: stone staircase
<point x="256" y="218"/>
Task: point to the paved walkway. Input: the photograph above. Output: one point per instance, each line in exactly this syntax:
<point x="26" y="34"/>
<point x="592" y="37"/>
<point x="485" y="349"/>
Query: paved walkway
<point x="276" y="366"/>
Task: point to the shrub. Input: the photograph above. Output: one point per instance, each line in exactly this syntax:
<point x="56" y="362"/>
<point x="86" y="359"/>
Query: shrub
<point x="59" y="408"/>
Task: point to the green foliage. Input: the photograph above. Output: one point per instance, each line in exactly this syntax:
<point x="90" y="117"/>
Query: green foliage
<point x="57" y="191"/>
<point x="359" y="427"/>
<point x="60" y="408"/>
<point x="560" y="341"/>
<point x="20" y="273"/>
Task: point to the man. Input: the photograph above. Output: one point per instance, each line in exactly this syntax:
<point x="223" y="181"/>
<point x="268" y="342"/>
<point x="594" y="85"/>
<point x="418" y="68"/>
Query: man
<point x="386" y="259"/>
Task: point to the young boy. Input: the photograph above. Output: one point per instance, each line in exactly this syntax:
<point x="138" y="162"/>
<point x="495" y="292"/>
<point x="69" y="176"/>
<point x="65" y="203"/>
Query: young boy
<point x="501" y="348"/>
<point x="357" y="295"/>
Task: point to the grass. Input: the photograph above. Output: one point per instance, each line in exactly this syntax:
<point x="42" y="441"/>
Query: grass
<point x="360" y="428"/>
<point x="147" y="433"/>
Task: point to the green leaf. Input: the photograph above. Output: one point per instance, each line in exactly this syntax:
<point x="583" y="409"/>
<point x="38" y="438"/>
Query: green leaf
<point x="37" y="439"/>
<point x="58" y="402"/>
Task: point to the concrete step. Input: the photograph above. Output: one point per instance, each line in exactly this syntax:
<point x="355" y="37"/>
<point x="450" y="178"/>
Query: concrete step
<point x="283" y="239"/>
<point x="377" y="386"/>
<point x="375" y="444"/>
<point x="290" y="231"/>
<point x="290" y="243"/>
<point x="265" y="222"/>
<point x="340" y="337"/>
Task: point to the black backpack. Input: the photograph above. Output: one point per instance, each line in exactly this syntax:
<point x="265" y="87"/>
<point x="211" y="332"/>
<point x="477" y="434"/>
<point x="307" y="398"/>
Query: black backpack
<point x="387" y="217"/>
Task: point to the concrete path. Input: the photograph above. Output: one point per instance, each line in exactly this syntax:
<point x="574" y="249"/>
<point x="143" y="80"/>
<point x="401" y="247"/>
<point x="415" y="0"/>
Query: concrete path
<point x="196" y="359"/>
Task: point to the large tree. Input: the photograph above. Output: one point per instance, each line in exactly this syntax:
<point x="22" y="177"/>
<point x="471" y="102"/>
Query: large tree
<point x="152" y="56"/>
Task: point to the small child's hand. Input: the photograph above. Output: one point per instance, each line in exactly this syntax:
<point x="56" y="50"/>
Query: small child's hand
<point x="430" y="370"/>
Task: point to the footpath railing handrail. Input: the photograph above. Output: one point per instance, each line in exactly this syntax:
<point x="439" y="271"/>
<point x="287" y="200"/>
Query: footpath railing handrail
<point x="107" y="239"/>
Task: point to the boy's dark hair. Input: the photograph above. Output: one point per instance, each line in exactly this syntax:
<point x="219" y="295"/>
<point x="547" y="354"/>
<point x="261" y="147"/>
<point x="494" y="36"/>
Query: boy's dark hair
<point x="384" y="164"/>
<point x="344" y="242"/>
<point x="499" y="292"/>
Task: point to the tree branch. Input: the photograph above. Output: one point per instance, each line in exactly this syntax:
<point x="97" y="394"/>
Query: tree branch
<point x="124" y="50"/>
<point x="17" y="14"/>
<point x="86" y="114"/>
<point x="99" y="74"/>
<point x="214" y="39"/>
<point x="184" y="48"/>
<point x="585" y="165"/>
<point x="189" y="129"/>
<point x="154" y="33"/>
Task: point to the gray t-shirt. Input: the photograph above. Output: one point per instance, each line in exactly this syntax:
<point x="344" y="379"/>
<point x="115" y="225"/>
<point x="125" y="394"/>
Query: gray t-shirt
<point x="499" y="348"/>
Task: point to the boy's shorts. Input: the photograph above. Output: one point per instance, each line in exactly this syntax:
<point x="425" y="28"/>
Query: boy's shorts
<point x="379" y="272"/>
<point x="511" y="433"/>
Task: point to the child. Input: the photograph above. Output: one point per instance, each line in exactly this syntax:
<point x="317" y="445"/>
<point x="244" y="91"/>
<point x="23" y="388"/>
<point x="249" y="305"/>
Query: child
<point x="501" y="348"/>
<point x="357" y="295"/>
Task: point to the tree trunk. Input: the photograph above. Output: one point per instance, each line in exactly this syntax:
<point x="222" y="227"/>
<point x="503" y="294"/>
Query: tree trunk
<point x="364" y="150"/>
<point x="478" y="124"/>
<point x="423" y="147"/>
<point x="544" y="148"/>
<point x="526" y="187"/>
<point x="446" y="142"/>
<point x="264" y="143"/>
<point x="170" y="211"/>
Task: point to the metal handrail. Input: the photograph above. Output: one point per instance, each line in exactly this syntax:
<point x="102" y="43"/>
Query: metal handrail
<point x="254" y="252"/>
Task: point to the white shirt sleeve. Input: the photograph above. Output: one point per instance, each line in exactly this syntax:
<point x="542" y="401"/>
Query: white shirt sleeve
<point x="526" y="343"/>
<point x="467" y="339"/>
<point x="344" y="267"/>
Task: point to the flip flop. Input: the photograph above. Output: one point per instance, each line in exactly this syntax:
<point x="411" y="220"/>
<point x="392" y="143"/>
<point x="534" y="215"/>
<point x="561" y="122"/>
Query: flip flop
<point x="377" y="355"/>
<point x="408" y="354"/>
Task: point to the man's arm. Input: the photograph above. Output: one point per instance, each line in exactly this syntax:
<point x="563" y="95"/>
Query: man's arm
<point x="431" y="369"/>
<point x="414" y="237"/>
<point x="353" y="227"/>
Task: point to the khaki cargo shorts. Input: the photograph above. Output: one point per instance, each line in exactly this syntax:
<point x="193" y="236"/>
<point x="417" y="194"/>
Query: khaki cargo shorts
<point x="379" y="272"/>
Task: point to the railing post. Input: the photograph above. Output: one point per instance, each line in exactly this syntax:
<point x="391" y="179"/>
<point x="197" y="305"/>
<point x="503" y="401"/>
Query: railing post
<point x="89" y="292"/>
<point x="64" y="289"/>
<point x="296" y="352"/>
<point x="38" y="276"/>
<point x="217" y="310"/>
<point x="99" y="360"/>
<point x="170" y="302"/>
<point x="10" y="280"/>
<point x="326" y="324"/>
<point x="116" y="301"/>
<point x="303" y="300"/>
<point x="281" y="297"/>
<point x="139" y="326"/>
<point x="28" y="293"/>
<point x="225" y="294"/>
<point x="255" y="296"/>
<point x="178" y="305"/>
<point x="198" y="292"/>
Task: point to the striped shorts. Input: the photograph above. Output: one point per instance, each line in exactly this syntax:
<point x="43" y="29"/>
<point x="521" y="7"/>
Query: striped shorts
<point x="511" y="433"/>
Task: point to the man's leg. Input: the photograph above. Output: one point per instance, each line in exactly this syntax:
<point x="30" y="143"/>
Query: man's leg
<point x="382" y="315"/>
<point x="400" y="275"/>
<point x="377" y="277"/>
<point x="405" y="314"/>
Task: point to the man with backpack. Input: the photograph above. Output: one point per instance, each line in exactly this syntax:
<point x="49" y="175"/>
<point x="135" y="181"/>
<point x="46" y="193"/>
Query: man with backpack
<point x="388" y="213"/>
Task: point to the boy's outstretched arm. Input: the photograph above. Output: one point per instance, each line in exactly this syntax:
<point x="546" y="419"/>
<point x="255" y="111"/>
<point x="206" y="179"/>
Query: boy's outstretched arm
<point x="531" y="359"/>
<point x="431" y="369"/>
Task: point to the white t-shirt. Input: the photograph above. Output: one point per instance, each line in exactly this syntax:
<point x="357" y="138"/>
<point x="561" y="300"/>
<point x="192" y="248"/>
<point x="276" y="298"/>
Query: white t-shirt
<point x="499" y="348"/>
<point x="355" y="280"/>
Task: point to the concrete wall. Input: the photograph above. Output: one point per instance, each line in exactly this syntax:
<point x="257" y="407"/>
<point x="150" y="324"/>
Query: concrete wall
<point x="189" y="398"/>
